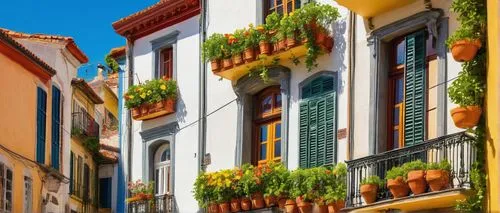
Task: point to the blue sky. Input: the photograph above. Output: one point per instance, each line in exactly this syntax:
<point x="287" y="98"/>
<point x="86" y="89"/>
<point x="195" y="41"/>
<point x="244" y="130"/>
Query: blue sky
<point x="88" y="22"/>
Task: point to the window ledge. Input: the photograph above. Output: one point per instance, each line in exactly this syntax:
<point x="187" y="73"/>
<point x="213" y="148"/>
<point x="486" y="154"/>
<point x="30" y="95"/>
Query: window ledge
<point x="432" y="200"/>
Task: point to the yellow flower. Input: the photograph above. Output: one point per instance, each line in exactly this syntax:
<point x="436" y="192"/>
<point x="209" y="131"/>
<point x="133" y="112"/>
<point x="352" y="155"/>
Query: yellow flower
<point x="140" y="88"/>
<point x="291" y="13"/>
<point x="131" y="96"/>
<point x="149" y="92"/>
<point x="163" y="87"/>
<point x="143" y="95"/>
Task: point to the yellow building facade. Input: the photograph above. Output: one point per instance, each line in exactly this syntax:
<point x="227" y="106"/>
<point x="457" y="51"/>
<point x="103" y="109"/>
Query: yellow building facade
<point x="25" y="142"/>
<point x="84" y="148"/>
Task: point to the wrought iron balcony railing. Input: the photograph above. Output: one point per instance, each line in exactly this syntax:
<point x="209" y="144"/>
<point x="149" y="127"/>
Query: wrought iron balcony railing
<point x="457" y="148"/>
<point x="160" y="204"/>
<point x="83" y="123"/>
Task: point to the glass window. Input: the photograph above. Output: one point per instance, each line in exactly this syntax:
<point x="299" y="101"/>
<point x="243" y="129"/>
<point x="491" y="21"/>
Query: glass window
<point x="166" y="63"/>
<point x="28" y="195"/>
<point x="162" y="169"/>
<point x="267" y="104"/>
<point x="267" y="124"/>
<point x="280" y="6"/>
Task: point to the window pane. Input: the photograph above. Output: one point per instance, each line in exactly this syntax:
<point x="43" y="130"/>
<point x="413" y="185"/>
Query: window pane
<point x="277" y="131"/>
<point x="395" y="143"/>
<point x="277" y="149"/>
<point x="395" y="115"/>
<point x="401" y="53"/>
<point x="289" y="7"/>
<point x="279" y="10"/>
<point x="297" y="4"/>
<point x="279" y="2"/>
<point x="263" y="151"/>
<point x="263" y="133"/>
<point x="278" y="100"/>
<point x="267" y="104"/>
<point x="399" y="91"/>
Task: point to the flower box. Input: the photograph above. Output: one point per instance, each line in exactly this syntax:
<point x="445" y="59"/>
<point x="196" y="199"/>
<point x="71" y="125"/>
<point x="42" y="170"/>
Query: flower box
<point x="153" y="110"/>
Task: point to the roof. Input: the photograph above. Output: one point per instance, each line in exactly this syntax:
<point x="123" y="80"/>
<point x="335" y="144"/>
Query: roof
<point x="69" y="42"/>
<point x="82" y="85"/>
<point x="10" y="42"/>
<point x="163" y="14"/>
<point x="117" y="52"/>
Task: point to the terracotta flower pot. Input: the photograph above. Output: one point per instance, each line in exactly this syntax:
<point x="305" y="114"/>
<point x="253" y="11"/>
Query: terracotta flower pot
<point x="136" y="112"/>
<point x="336" y="206"/>
<point x="249" y="55"/>
<point x="270" y="201"/>
<point x="227" y="63"/>
<point x="438" y="179"/>
<point x="291" y="42"/>
<point x="290" y="206"/>
<point x="281" y="45"/>
<point x="466" y="117"/>
<point x="235" y="205"/>
<point x="237" y="59"/>
<point x="320" y="38"/>
<point x="215" y="65"/>
<point x="258" y="201"/>
<point x="320" y="208"/>
<point x="281" y="203"/>
<point x="465" y="50"/>
<point x="213" y="208"/>
<point x="246" y="204"/>
<point x="398" y="187"/>
<point x="416" y="181"/>
<point x="369" y="192"/>
<point x="224" y="207"/>
<point x="304" y="207"/>
<point x="158" y="105"/>
<point x="144" y="109"/>
<point x="265" y="47"/>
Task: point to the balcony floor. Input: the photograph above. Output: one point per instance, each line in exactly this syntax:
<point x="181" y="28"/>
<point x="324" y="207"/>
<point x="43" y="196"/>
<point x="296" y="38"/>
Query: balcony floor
<point x="431" y="200"/>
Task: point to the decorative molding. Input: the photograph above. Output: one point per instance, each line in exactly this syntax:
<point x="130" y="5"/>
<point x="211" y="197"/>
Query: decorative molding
<point x="169" y="40"/>
<point x="159" y="132"/>
<point x="165" y="40"/>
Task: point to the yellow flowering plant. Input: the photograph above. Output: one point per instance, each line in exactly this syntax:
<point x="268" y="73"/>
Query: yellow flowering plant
<point x="152" y="91"/>
<point x="203" y="192"/>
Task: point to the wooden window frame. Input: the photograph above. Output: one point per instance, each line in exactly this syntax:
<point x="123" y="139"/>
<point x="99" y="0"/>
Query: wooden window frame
<point x="271" y="119"/>
<point x="267" y="6"/>
<point x="395" y="72"/>
<point x="166" y="59"/>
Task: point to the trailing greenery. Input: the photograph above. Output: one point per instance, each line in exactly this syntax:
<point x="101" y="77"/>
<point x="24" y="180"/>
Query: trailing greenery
<point x="395" y="172"/>
<point x="112" y="64"/>
<point x="151" y="91"/>
<point x="469" y="87"/>
<point x="92" y="144"/>
<point x="373" y="180"/>
<point x="414" y="165"/>
<point x="442" y="165"/>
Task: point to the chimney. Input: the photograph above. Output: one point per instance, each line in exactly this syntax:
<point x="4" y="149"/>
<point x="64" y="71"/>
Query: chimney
<point x="100" y="69"/>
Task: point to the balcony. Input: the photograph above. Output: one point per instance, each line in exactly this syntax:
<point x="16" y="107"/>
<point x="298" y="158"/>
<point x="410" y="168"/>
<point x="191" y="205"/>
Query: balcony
<point x="457" y="148"/>
<point x="160" y="204"/>
<point x="84" y="125"/>
<point x="370" y="8"/>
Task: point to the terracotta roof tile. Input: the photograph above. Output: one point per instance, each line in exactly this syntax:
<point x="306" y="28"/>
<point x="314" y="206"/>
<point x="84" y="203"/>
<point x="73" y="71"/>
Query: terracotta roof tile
<point x="82" y="85"/>
<point x="117" y="52"/>
<point x="70" y="43"/>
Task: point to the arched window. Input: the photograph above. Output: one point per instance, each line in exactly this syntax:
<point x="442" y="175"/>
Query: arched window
<point x="267" y="125"/>
<point x="162" y="169"/>
<point x="317" y="115"/>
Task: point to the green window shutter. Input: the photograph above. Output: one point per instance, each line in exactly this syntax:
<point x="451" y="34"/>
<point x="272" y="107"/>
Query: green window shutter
<point x="56" y="124"/>
<point x="317" y="128"/>
<point x="41" y="125"/>
<point x="415" y="82"/>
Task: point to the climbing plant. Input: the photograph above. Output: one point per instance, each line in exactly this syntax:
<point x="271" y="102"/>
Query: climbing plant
<point x="112" y="64"/>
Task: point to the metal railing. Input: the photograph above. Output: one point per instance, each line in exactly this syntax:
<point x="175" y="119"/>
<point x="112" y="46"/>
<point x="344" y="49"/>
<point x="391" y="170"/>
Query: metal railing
<point x="84" y="124"/>
<point x="160" y="204"/>
<point x="457" y="148"/>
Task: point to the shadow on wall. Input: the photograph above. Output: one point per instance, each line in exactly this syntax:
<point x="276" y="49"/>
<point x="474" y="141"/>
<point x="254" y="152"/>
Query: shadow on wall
<point x="339" y="52"/>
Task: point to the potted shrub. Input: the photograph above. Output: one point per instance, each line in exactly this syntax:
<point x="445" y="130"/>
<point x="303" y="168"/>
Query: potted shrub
<point x="335" y="188"/>
<point x="223" y="189"/>
<point x="237" y="190"/>
<point x="204" y="192"/>
<point x="396" y="182"/>
<point x="369" y="188"/>
<point x="252" y="187"/>
<point x="438" y="175"/>
<point x="288" y="27"/>
<point x="263" y="37"/>
<point x="212" y="52"/>
<point x="298" y="189"/>
<point x="140" y="191"/>
<point x="464" y="43"/>
<point x="236" y="42"/>
<point x="133" y="100"/>
<point x="153" y="98"/>
<point x="273" y="177"/>
<point x="227" y="61"/>
<point x="416" y="176"/>
<point x="468" y="92"/>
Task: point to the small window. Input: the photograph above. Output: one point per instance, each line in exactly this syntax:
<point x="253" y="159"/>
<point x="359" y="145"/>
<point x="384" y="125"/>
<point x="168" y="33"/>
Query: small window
<point x="28" y="195"/>
<point x="280" y="6"/>
<point x="5" y="189"/>
<point x="166" y="65"/>
<point x="41" y="117"/>
<point x="267" y="123"/>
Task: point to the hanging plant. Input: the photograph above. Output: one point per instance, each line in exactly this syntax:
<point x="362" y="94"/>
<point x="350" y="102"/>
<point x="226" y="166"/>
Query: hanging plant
<point x="112" y="64"/>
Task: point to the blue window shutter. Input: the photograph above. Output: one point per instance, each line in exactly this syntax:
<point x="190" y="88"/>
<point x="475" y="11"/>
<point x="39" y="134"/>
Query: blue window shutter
<point x="41" y="125"/>
<point x="317" y="123"/>
<point x="415" y="82"/>
<point x="56" y="126"/>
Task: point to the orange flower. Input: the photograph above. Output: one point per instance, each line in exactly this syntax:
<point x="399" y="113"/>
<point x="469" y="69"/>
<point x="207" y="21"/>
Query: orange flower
<point x="328" y="172"/>
<point x="260" y="28"/>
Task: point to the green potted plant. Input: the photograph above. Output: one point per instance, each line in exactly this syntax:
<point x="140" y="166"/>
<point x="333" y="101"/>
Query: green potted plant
<point x="396" y="182"/>
<point x="237" y="189"/>
<point x="468" y="91"/>
<point x="438" y="175"/>
<point x="227" y="61"/>
<point x="335" y="189"/>
<point x="236" y="42"/>
<point x="298" y="189"/>
<point x="252" y="187"/>
<point x="273" y="176"/>
<point x="211" y="50"/>
<point x="203" y="191"/>
<point x="223" y="189"/>
<point x="264" y="40"/>
<point x="140" y="190"/>
<point x="289" y="28"/>
<point x="251" y="41"/>
<point x="369" y="188"/>
<point x="151" y="99"/>
<point x="416" y="176"/>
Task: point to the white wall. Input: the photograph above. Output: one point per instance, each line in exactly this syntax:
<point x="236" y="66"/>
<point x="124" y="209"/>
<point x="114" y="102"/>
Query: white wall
<point x="186" y="73"/>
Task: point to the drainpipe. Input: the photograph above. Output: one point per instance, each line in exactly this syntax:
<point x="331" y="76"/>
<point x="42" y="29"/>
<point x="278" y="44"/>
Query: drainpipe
<point x="351" y="76"/>
<point x="130" y="61"/>
<point x="203" y="93"/>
